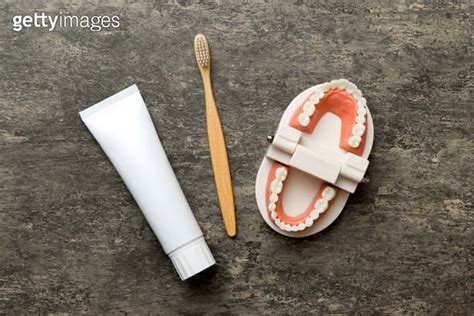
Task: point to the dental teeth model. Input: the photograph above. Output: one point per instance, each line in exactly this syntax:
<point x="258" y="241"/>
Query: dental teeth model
<point x="334" y="158"/>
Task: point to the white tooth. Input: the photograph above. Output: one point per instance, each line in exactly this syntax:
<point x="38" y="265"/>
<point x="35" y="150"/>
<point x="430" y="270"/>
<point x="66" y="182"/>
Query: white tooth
<point x="314" y="215"/>
<point x="352" y="142"/>
<point x="303" y="119"/>
<point x="333" y="84"/>
<point x="349" y="90"/>
<point x="301" y="226"/>
<point x="345" y="81"/>
<point x="273" y="186"/>
<point x="319" y="96"/>
<point x="276" y="186"/>
<point x="318" y="203"/>
<point x="308" y="108"/>
<point x="294" y="228"/>
<point x="313" y="99"/>
<point x="279" y="187"/>
<point x="271" y="207"/>
<point x="361" y="110"/>
<point x="278" y="222"/>
<point x="309" y="222"/>
<point x="273" y="198"/>
<point x="281" y="173"/>
<point x="360" y="119"/>
<point x="351" y="86"/>
<point x="341" y="85"/>
<point x="326" y="87"/>
<point x="321" y="205"/>
<point x="357" y="94"/>
<point x="362" y="102"/>
<point x="358" y="129"/>
<point x="355" y="140"/>
<point x="273" y="215"/>
<point x="329" y="193"/>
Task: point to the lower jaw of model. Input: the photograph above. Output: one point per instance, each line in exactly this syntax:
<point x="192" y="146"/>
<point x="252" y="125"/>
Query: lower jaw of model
<point x="275" y="187"/>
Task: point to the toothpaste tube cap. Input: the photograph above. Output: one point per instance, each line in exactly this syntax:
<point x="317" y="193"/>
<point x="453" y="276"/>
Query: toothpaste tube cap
<point x="192" y="258"/>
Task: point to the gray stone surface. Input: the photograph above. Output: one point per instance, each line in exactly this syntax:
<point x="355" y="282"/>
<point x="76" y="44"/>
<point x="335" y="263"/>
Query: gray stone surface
<point x="73" y="240"/>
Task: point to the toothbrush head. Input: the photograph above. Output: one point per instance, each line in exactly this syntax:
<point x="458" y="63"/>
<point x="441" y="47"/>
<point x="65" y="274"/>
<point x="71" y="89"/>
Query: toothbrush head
<point x="201" y="50"/>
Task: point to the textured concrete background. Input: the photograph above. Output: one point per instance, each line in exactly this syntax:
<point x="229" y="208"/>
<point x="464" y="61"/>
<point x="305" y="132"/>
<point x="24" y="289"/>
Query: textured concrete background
<point x="73" y="240"/>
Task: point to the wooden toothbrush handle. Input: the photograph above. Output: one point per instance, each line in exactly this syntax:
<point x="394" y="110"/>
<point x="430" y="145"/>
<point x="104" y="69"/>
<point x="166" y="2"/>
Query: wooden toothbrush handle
<point x="220" y="162"/>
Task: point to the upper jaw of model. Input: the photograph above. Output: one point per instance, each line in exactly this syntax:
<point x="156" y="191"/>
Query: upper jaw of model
<point x="313" y="100"/>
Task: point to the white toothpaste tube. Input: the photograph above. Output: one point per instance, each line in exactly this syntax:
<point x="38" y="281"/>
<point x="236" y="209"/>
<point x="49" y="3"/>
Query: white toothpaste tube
<point x="123" y="128"/>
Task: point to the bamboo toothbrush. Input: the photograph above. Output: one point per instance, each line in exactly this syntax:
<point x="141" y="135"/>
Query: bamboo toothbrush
<point x="220" y="163"/>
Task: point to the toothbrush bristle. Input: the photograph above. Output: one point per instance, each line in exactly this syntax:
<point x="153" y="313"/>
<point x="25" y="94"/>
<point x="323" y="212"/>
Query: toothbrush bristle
<point x="201" y="49"/>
